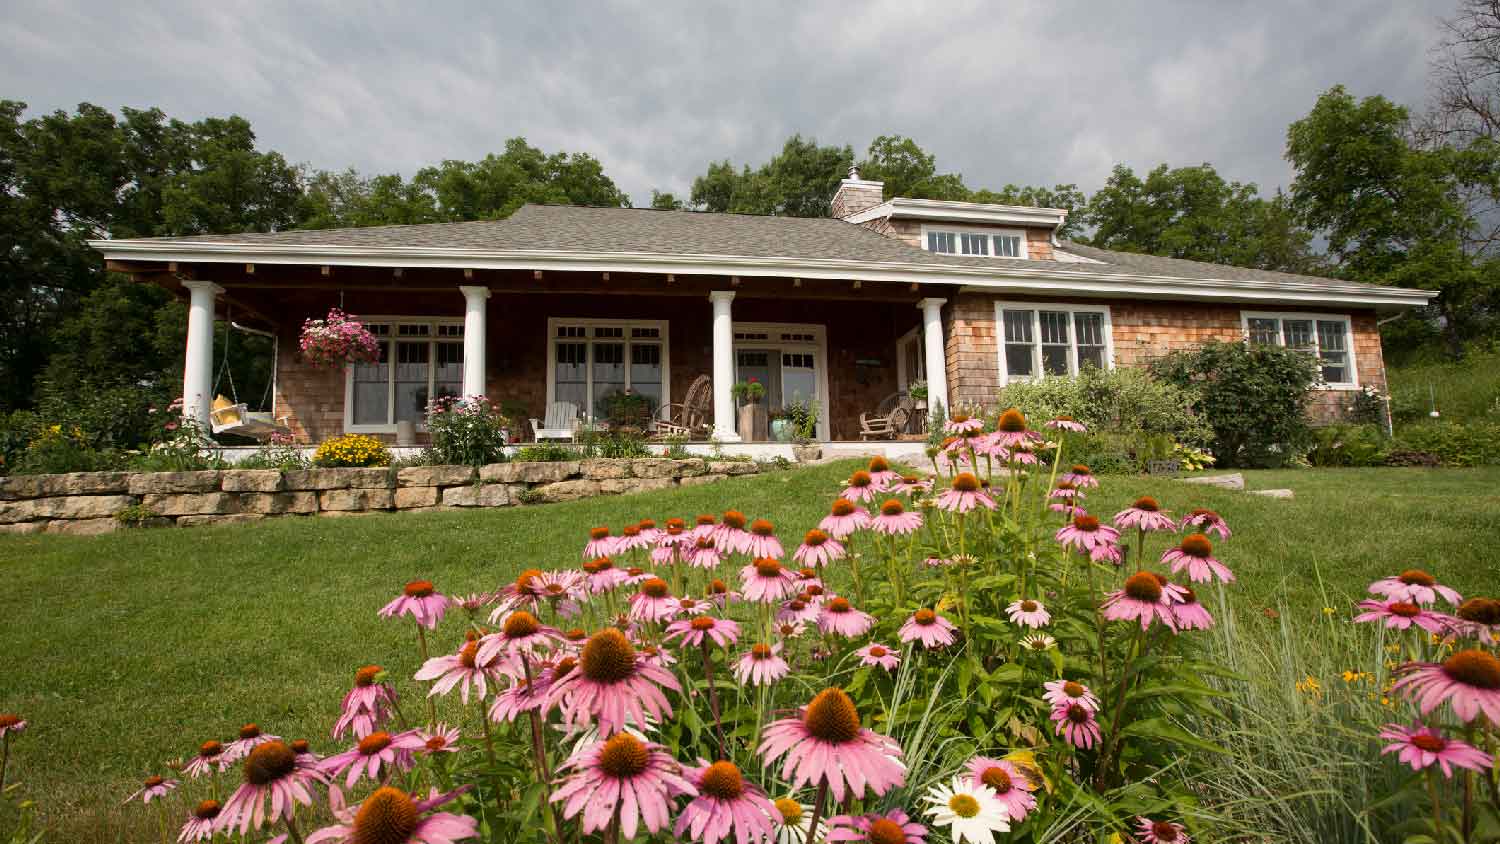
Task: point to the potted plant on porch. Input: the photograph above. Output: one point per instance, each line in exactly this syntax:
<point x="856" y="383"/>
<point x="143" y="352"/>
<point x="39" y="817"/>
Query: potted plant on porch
<point x="803" y="420"/>
<point x="754" y="425"/>
<point x="917" y="391"/>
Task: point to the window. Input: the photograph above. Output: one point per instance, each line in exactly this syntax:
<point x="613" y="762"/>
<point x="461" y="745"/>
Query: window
<point x="1327" y="337"/>
<point x="594" y="359"/>
<point x="419" y="360"/>
<point x="788" y="360"/>
<point x="979" y="242"/>
<point x="1039" y="339"/>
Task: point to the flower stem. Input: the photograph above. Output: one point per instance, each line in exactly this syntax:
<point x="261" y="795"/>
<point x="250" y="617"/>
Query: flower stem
<point x="431" y="706"/>
<point x="817" y="813"/>
<point x="4" y="759"/>
<point x="291" y="829"/>
<point x="713" y="698"/>
<point x="1437" y="810"/>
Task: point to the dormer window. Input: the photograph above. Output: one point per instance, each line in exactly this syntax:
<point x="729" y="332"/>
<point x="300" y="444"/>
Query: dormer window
<point x="982" y="243"/>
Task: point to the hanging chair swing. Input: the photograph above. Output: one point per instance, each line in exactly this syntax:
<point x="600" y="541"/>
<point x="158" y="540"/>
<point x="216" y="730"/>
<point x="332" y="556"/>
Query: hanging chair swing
<point x="232" y="416"/>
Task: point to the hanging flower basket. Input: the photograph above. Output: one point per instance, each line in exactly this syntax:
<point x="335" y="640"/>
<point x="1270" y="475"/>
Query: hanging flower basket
<point x="337" y="341"/>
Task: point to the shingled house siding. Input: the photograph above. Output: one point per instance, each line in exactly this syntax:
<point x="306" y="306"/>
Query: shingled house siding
<point x="1142" y="332"/>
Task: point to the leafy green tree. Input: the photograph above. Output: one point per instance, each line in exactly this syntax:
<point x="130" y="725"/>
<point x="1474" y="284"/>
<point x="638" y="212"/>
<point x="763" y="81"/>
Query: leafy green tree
<point x="909" y="171"/>
<point x="666" y="202"/>
<point x="1067" y="197"/>
<point x="799" y="181"/>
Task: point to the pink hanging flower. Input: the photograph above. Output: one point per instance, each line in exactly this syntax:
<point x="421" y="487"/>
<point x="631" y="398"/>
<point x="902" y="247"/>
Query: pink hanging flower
<point x="337" y="340"/>
<point x="840" y="617"/>
<point x="1421" y="747"/>
<point x="1196" y="554"/>
<point x="1028" y="613"/>
<point x="844" y="518"/>
<point x="767" y="581"/>
<point x="1011" y="785"/>
<point x="272" y="770"/>
<point x="1416" y="586"/>
<point x="391" y="816"/>
<point x="1144" y="514"/>
<point x="1086" y="535"/>
<point x="1147" y="596"/>
<point x="860" y="487"/>
<point x="964" y="495"/>
<point x="1401" y="615"/>
<point x="893" y="827"/>
<point x="1077" y="724"/>
<point x="420" y="601"/>
<point x="612" y="685"/>
<point x="895" y="521"/>
<point x="152" y="788"/>
<point x="367" y="705"/>
<point x="379" y="751"/>
<point x="762" y="665"/>
<point x="726" y="805"/>
<point x="1206" y="521"/>
<point x="818" y="549"/>
<point x="693" y="631"/>
<point x="1469" y="680"/>
<point x="1160" y="832"/>
<point x="826" y="744"/>
<point x="929" y="628"/>
<point x="622" y="777"/>
<point x="878" y="654"/>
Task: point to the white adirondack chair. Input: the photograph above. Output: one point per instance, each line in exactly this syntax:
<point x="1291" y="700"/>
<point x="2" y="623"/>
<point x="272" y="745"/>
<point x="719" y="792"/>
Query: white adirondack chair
<point x="560" y="424"/>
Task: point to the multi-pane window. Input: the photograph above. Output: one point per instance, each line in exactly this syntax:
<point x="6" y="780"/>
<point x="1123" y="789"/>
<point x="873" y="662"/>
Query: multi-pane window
<point x="1052" y="340"/>
<point x="420" y="360"/>
<point x="1326" y="338"/>
<point x="942" y="242"/>
<point x="593" y="361"/>
<point x="1007" y="246"/>
<point x="977" y="242"/>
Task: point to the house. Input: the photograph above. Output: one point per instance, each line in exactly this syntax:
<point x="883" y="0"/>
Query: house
<point x="575" y="304"/>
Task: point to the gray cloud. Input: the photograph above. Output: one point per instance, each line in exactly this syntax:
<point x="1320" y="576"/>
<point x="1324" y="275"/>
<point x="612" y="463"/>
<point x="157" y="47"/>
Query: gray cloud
<point x="1002" y="92"/>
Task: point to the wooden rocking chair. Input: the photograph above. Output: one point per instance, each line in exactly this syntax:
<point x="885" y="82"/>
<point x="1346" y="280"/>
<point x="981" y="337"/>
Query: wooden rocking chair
<point x="690" y="417"/>
<point x="889" y="419"/>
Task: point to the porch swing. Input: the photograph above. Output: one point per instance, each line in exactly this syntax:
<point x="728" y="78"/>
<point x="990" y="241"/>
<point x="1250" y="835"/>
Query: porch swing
<point x="232" y="416"/>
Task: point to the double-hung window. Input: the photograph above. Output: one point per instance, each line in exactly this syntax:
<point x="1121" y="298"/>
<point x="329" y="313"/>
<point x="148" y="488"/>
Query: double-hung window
<point x="1329" y="338"/>
<point x="984" y="243"/>
<point x="593" y="360"/>
<point x="420" y="360"/>
<point x="1038" y="339"/>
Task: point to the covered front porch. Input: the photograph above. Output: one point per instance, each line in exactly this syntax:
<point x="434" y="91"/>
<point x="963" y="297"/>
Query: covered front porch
<point x="620" y="348"/>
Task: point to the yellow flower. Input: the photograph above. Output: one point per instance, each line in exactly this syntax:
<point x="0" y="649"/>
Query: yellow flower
<point x="1310" y="686"/>
<point x="1356" y="676"/>
<point x="1328" y="610"/>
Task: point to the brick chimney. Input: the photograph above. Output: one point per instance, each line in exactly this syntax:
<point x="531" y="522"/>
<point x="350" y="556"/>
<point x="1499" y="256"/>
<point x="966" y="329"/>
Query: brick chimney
<point x="855" y="195"/>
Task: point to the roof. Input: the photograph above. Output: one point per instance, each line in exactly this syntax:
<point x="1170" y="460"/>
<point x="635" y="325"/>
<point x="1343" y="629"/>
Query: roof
<point x="973" y="213"/>
<point x="559" y="237"/>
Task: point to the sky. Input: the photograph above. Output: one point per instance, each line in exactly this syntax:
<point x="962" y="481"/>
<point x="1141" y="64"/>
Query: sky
<point x="1001" y="92"/>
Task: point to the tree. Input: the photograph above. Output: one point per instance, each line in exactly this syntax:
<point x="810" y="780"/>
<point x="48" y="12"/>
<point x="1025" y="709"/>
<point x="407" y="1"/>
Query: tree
<point x="666" y="202"/>
<point x="799" y="181"/>
<point x="910" y="171"/>
<point x="1067" y="197"/>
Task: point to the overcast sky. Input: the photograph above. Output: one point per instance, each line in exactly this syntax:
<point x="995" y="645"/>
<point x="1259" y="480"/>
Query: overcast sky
<point x="1031" y="93"/>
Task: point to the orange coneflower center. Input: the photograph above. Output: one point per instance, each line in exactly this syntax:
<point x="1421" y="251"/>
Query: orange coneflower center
<point x="734" y="519"/>
<point x="1028" y="606"/>
<point x="963" y="805"/>
<point x="722" y="780"/>
<point x="1080" y="469"/>
<point x="635" y="571"/>
<point x="563" y="666"/>
<point x="8" y="720"/>
<point x="1146" y="503"/>
<point x="1480" y="610"/>
<point x="760" y="651"/>
<point x="1072" y="689"/>
<point x="790" y="811"/>
<point x="879" y="464"/>
<point x="718" y="587"/>
<point x="966" y="482"/>
<point x="1197" y="545"/>
<point x="250" y="731"/>
<point x="705" y="519"/>
<point x="1164" y="831"/>
<point x="702" y="622"/>
<point x="576" y="634"/>
<point x="996" y="777"/>
<point x="1077" y="714"/>
<point x="767" y="567"/>
<point x="1087" y="524"/>
<point x="1188" y="595"/>
<point x="885" y="831"/>
<point x="1012" y="421"/>
<point x="814" y="538"/>
<point x="624" y="756"/>
<point x="839" y="605"/>
<point x="924" y="617"/>
<point x="467" y="655"/>
<point x="761" y="527"/>
<point x="1143" y="586"/>
<point x="269" y="762"/>
<point x="687" y="604"/>
<point x="374" y="743"/>
<point x="877" y="651"/>
<point x="892" y="507"/>
<point x="842" y="507"/>
<point x="832" y="717"/>
<point x="1416" y="577"/>
<point x="630" y="530"/>
<point x="599" y="533"/>
<point x="647" y="524"/>
<point x="525" y="578"/>
<point x="1067" y="486"/>
<point x="797" y="604"/>
<point x="807" y="573"/>
<point x="1474" y="667"/>
<point x="436" y="743"/>
<point x="419" y="589"/>
<point x="521" y="624"/>
<point x="1429" y="743"/>
<point x="608" y="657"/>
<point x="387" y="816"/>
<point x="787" y="629"/>
<point x="675" y="522"/>
<point x="366" y="675"/>
<point x="655" y="588"/>
<point x="860" y="478"/>
<point x="301" y="746"/>
<point x="813" y="590"/>
<point x="207" y="810"/>
<point x="153" y="781"/>
<point x="1405" y="609"/>
<point x="208" y="750"/>
<point x="703" y="543"/>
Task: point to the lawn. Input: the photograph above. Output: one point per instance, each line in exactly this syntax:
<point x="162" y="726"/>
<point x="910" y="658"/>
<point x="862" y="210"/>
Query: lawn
<point x="127" y="649"/>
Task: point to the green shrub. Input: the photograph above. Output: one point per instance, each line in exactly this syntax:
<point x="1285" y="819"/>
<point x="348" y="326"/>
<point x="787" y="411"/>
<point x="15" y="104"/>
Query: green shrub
<point x="466" y="433"/>
<point x="1252" y="397"/>
<point x="545" y="453"/>
<point x="1114" y="401"/>
<point x="621" y="441"/>
<point x="625" y="407"/>
<point x="280" y="453"/>
<point x="56" y="449"/>
<point x="136" y="515"/>
<point x="1462" y="391"/>
<point x="1454" y="443"/>
<point x="181" y="449"/>
<point x="1348" y="445"/>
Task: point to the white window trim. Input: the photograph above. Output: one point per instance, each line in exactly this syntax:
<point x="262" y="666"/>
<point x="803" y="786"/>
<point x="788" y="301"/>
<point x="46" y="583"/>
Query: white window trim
<point x="393" y="337"/>
<point x="818" y="346"/>
<point x="985" y="230"/>
<point x="664" y="340"/>
<point x="1353" y="382"/>
<point x="1036" y="328"/>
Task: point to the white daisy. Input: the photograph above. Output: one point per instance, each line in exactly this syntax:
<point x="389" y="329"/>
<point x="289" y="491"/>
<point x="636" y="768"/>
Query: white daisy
<point x="1038" y="642"/>
<point x="792" y="821"/>
<point x="971" y="811"/>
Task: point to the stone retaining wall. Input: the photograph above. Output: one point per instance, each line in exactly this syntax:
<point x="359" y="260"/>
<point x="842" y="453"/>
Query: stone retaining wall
<point x="87" y="502"/>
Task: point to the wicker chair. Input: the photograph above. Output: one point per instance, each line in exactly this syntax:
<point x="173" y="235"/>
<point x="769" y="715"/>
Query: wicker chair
<point x="889" y="419"/>
<point x="691" y="417"/>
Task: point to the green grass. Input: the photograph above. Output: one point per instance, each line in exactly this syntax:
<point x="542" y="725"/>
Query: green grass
<point x="1463" y="391"/>
<point x="132" y="648"/>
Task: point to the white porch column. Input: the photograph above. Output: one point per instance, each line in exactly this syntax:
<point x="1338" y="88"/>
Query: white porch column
<point x="936" y="358"/>
<point x="198" y="365"/>
<point x="723" y="366"/>
<point x="476" y="304"/>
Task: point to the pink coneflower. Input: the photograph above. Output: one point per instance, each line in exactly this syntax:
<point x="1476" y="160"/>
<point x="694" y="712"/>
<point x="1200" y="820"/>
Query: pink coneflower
<point x="790" y="630"/>
<point x="840" y="617"/>
<point x="1010" y="430"/>
<point x="1143" y="599"/>
<point x="1469" y="679"/>
<point x="1476" y="618"/>
<point x="1196" y="554"/>
<point x="726" y="805"/>
<point x="200" y="822"/>
<point x="521" y="634"/>
<point x="1421" y="746"/>
<point x="961" y="424"/>
<point x="1145" y="514"/>
<point x="1011" y="785"/>
<point x="630" y="539"/>
<point x="1028" y="613"/>
<point x="375" y="752"/>
<point x="367" y="705"/>
<point x="1207" y="521"/>
<point x="1068" y="693"/>
<point x="762" y="665"/>
<point x="801" y="608"/>
<point x="767" y="581"/>
<point x="622" y="777"/>
<point x="1086" y="535"/>
<point x="600" y="544"/>
<point x="612" y="685"/>
<point x="209" y="760"/>
<point x="763" y="541"/>
<point x="525" y="696"/>
<point x="653" y="601"/>
<point x="825" y="744"/>
<point x="703" y="525"/>
<point x="1187" y="613"/>
<point x="649" y="531"/>
<point x="730" y="535"/>
<point x="1077" y="724"/>
<point x="1066" y="423"/>
<point x="152" y="788"/>
<point x="440" y="739"/>
<point x="860" y="487"/>
<point x="1023" y="454"/>
<point x="881" y="473"/>
<point x="878" y="654"/>
<point x="844" y="518"/>
<point x="1066" y="490"/>
<point x="271" y="771"/>
<point x="894" y="520"/>
<point x="893" y="827"/>
<point x="473" y="602"/>
<point x="521" y="592"/>
<point x="693" y="631"/>
<point x="964" y="495"/>
<point x="471" y="666"/>
<point x="911" y="485"/>
<point x="1416" y="586"/>
<point x="604" y="575"/>
<point x="704" y="554"/>
<point x="303" y="750"/>
<point x="1160" y="832"/>
<point x="249" y="737"/>
<point x="420" y="601"/>
<point x="11" y="723"/>
<point x="688" y="607"/>
<point x="1080" y="476"/>
<point x="390" y="816"/>
<point x="818" y="549"/>
<point x="929" y="628"/>
<point x="720" y="594"/>
<point x="1400" y="615"/>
